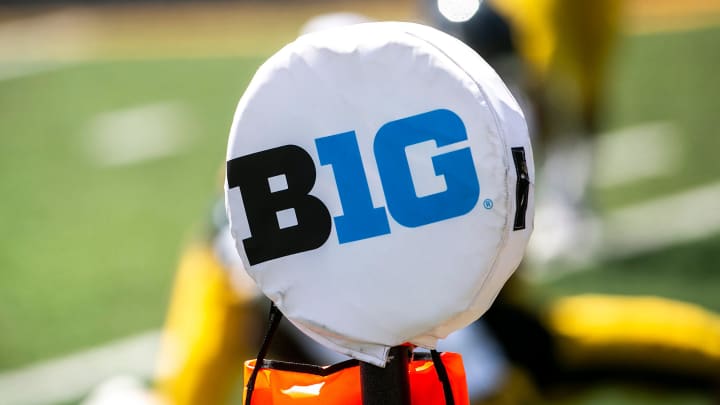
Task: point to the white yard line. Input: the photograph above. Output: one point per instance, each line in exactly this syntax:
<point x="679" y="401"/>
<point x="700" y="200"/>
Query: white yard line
<point x="17" y="70"/>
<point x="73" y="376"/>
<point x="649" y="226"/>
<point x="636" y="153"/>
<point x="138" y="134"/>
<point x="663" y="222"/>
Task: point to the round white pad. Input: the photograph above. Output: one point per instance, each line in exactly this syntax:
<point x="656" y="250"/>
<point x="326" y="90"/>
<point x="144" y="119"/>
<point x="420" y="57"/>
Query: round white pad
<point x="379" y="185"/>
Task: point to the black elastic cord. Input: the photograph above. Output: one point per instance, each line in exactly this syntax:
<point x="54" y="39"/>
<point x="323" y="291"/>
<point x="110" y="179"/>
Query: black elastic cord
<point x="273" y="322"/>
<point x="443" y="376"/>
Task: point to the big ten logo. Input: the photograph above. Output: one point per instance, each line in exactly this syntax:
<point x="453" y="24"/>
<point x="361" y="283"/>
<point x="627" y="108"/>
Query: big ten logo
<point x="276" y="183"/>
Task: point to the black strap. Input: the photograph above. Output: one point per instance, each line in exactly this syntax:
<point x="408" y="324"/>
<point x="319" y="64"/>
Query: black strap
<point x="443" y="377"/>
<point x="273" y="322"/>
<point x="522" y="187"/>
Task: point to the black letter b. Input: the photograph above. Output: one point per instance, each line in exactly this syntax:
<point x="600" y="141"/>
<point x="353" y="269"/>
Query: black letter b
<point x="252" y="173"/>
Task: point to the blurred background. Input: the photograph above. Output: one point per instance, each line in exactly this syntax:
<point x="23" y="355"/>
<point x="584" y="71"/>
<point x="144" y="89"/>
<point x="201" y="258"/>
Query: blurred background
<point x="113" y="124"/>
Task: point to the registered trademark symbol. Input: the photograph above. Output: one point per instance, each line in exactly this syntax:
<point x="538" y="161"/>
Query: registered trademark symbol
<point x="488" y="204"/>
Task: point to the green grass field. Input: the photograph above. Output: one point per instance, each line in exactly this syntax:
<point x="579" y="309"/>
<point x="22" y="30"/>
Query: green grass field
<point x="87" y="253"/>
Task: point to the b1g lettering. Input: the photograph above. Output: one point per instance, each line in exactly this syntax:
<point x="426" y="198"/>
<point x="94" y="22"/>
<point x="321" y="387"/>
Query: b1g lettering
<point x="360" y="220"/>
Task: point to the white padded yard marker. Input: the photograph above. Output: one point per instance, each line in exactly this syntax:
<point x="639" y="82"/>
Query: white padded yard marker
<point x="408" y="168"/>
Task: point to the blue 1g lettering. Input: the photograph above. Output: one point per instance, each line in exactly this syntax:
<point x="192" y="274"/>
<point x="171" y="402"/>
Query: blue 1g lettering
<point x="360" y="219"/>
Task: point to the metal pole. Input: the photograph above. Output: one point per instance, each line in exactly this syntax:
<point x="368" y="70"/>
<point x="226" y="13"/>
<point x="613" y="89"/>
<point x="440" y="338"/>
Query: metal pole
<point x="389" y="385"/>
